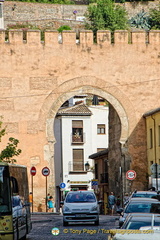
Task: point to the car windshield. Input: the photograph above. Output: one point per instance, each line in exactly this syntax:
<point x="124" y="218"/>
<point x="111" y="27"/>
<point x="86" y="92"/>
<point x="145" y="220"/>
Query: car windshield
<point x="143" y="207"/>
<point x="80" y="197"/>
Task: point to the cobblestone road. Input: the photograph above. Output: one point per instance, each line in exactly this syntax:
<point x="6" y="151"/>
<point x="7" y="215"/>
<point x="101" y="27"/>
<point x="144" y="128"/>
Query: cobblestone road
<point x="43" y="224"/>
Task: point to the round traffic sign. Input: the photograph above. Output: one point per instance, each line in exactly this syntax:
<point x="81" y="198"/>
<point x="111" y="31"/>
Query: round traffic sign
<point x="130" y="174"/>
<point x="33" y="171"/>
<point x="62" y="185"/>
<point x="45" y="171"/>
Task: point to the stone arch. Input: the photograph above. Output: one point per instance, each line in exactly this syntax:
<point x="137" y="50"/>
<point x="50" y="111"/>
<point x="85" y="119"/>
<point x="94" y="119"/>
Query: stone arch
<point x="83" y="85"/>
<point x="94" y="86"/>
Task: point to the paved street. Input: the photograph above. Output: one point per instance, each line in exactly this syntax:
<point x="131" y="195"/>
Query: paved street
<point x="44" y="223"/>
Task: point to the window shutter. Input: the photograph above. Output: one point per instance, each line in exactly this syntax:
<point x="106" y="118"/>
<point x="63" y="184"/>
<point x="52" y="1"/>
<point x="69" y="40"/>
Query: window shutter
<point x="78" y="162"/>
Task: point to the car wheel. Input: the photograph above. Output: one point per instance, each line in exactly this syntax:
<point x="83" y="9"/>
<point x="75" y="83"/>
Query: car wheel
<point x="97" y="222"/>
<point x="65" y="223"/>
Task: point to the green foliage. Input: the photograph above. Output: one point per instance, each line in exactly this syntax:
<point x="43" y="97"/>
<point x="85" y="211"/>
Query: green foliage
<point x="155" y="17"/>
<point x="141" y="21"/>
<point x="106" y="15"/>
<point x="64" y="27"/>
<point x="22" y="26"/>
<point x="11" y="150"/>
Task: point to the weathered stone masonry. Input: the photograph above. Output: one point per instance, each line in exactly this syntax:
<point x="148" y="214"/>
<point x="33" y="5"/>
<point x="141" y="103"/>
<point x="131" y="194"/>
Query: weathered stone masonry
<point x="37" y="77"/>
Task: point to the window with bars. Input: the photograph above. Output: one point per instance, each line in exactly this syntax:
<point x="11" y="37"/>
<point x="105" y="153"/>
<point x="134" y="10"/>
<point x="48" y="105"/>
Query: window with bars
<point x="78" y="160"/>
<point x="101" y="129"/>
<point x="151" y="138"/>
<point x="77" y="131"/>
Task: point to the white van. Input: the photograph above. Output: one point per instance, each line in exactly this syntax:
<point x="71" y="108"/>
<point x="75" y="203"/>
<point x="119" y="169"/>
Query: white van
<point x="80" y="206"/>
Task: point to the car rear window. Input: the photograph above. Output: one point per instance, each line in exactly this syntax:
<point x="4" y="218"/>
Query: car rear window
<point x="137" y="225"/>
<point x="143" y="207"/>
<point x="143" y="195"/>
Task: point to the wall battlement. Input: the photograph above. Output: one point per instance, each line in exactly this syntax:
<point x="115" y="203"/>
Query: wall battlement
<point x="33" y="37"/>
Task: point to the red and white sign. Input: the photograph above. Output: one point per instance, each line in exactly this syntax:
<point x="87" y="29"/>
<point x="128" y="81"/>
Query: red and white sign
<point x="130" y="174"/>
<point x="45" y="171"/>
<point x="33" y="171"/>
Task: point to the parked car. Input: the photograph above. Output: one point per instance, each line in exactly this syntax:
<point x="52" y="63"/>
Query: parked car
<point x="80" y="206"/>
<point x="143" y="194"/>
<point x="154" y="235"/>
<point x="136" y="227"/>
<point x="139" y="205"/>
<point x="139" y="220"/>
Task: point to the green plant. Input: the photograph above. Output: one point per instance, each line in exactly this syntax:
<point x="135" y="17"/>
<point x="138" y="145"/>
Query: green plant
<point x="10" y="150"/>
<point x="155" y="17"/>
<point x="141" y="20"/>
<point x="64" y="27"/>
<point x="106" y="15"/>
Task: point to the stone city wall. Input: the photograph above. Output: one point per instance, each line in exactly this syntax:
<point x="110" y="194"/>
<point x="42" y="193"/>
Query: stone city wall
<point x="37" y="77"/>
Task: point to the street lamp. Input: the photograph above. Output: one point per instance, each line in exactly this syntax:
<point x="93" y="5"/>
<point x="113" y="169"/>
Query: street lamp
<point x="87" y="166"/>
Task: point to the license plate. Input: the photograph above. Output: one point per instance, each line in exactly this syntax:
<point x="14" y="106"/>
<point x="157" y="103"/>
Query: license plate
<point x="81" y="215"/>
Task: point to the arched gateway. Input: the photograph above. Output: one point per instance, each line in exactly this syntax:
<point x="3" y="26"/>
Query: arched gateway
<point x="36" y="78"/>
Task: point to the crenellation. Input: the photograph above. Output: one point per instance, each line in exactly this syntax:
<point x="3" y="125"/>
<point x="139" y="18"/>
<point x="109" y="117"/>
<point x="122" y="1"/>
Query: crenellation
<point x="33" y="37"/>
<point x="138" y="37"/>
<point x="120" y="36"/>
<point x="103" y="37"/>
<point x="86" y="37"/>
<point x="51" y="37"/>
<point x="154" y="37"/>
<point x="16" y="37"/>
<point x="68" y="37"/>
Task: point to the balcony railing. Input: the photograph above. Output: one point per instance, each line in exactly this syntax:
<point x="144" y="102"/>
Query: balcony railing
<point x="76" y="166"/>
<point x="75" y="139"/>
<point x="104" y="178"/>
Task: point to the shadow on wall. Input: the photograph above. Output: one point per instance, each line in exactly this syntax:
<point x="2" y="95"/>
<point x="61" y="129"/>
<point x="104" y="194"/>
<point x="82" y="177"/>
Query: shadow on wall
<point x="137" y="145"/>
<point x="39" y="208"/>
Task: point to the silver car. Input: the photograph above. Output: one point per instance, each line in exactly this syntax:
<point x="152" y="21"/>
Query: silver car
<point x="80" y="206"/>
<point x="139" y="205"/>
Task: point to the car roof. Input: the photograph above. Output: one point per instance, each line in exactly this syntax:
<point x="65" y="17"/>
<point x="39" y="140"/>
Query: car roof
<point x="140" y="199"/>
<point x="145" y="192"/>
<point x="144" y="216"/>
<point x="80" y="191"/>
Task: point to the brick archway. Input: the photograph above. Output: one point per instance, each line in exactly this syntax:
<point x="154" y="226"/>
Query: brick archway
<point x="90" y="85"/>
<point x="83" y="85"/>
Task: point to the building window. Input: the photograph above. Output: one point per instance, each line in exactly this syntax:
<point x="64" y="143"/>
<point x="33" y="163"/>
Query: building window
<point x="151" y="138"/>
<point x="77" y="131"/>
<point x="101" y="129"/>
<point x="78" y="160"/>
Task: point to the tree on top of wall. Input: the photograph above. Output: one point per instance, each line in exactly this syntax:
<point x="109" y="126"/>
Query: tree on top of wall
<point x="7" y="154"/>
<point x="105" y="14"/>
<point x="155" y="17"/>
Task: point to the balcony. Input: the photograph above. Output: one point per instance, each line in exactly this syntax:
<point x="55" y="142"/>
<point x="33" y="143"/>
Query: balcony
<point x="104" y="178"/>
<point x="77" y="139"/>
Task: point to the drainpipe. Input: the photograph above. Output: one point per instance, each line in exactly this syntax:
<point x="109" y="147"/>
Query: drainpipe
<point x="155" y="151"/>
